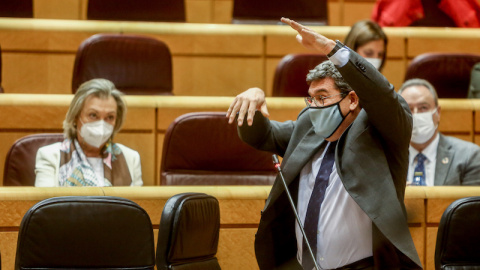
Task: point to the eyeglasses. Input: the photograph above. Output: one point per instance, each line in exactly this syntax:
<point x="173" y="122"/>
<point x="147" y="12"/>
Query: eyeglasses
<point x="319" y="100"/>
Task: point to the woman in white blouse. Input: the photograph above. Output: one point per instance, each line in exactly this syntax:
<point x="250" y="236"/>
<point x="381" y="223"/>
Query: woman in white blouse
<point x="88" y="156"/>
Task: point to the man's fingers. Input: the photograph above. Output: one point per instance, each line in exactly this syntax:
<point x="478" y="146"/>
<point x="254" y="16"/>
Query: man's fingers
<point x="251" y="112"/>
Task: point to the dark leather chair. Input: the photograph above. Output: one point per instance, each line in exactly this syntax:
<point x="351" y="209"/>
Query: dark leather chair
<point x="82" y="232"/>
<point x="137" y="65"/>
<point x="203" y="149"/>
<point x="138" y="10"/>
<point x="458" y="236"/>
<point x="291" y="73"/>
<point x="19" y="169"/>
<point x="308" y="12"/>
<point x="449" y="73"/>
<point x="188" y="233"/>
<point x="16" y="8"/>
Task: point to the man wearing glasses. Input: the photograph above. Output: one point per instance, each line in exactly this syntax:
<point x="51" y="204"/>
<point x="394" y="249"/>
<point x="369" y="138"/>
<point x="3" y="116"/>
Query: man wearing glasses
<point x="345" y="161"/>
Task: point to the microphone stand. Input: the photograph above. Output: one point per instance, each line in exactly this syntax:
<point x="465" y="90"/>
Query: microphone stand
<point x="276" y="162"/>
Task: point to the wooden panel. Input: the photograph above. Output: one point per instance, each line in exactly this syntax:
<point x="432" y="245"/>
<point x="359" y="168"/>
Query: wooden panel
<point x="216" y="76"/>
<point x="449" y="121"/>
<point x="435" y="209"/>
<point x="8" y="247"/>
<point x="236" y="249"/>
<point x="418" y="44"/>
<point x="198" y="11"/>
<point x="416" y="210"/>
<point x="222" y="11"/>
<point x="57" y="9"/>
<point x="37" y="73"/>
<point x="394" y="71"/>
<point x="356" y="10"/>
<point x="430" y="248"/>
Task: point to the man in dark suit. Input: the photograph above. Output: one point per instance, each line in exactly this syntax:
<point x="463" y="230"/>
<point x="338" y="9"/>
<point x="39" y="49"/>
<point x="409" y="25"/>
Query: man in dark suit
<point x="353" y="110"/>
<point x="443" y="160"/>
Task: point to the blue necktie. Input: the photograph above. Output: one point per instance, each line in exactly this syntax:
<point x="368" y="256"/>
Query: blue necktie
<point x="314" y="204"/>
<point x="419" y="173"/>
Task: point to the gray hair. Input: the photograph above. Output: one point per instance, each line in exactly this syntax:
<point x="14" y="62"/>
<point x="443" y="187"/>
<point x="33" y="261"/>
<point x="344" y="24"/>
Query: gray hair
<point x="420" y="82"/>
<point x="328" y="70"/>
<point x="100" y="88"/>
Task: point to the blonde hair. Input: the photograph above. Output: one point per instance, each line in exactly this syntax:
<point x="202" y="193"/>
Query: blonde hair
<point x="100" y="88"/>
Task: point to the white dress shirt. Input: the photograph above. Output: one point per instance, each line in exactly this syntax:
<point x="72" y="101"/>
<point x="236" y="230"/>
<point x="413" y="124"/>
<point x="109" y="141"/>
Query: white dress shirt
<point x="430" y="152"/>
<point x="344" y="231"/>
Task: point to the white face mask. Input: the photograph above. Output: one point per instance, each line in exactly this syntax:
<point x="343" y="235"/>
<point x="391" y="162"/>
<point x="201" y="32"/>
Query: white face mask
<point x="96" y="133"/>
<point x="423" y="127"/>
<point x="376" y="62"/>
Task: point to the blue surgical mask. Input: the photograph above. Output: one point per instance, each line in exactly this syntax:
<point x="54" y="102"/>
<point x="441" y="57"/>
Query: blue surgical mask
<point x="326" y="120"/>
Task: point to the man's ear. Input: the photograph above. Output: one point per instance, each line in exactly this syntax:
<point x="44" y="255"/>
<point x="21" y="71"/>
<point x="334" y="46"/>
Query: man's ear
<point x="354" y="101"/>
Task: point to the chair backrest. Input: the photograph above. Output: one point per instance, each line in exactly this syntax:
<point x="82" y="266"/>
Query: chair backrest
<point x="458" y="236"/>
<point x="138" y="10"/>
<point x="137" y="65"/>
<point x="308" y="12"/>
<point x="188" y="233"/>
<point x="203" y="149"/>
<point x="291" y="73"/>
<point x="85" y="232"/>
<point x="16" y="8"/>
<point x="474" y="86"/>
<point x="449" y="73"/>
<point x="19" y="169"/>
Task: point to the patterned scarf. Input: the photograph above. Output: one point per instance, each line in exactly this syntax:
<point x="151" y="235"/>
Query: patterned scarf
<point x="75" y="170"/>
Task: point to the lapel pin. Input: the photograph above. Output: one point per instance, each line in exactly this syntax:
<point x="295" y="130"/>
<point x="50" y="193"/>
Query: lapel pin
<point x="445" y="160"/>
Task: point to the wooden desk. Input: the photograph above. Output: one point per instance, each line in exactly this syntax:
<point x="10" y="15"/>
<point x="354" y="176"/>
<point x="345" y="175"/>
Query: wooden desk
<point x="148" y="118"/>
<point x="208" y="59"/>
<point x="239" y="215"/>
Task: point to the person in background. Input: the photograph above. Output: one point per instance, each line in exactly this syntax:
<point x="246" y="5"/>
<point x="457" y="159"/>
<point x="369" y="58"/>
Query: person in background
<point x="354" y="131"/>
<point x="369" y="41"/>
<point x="436" y="159"/>
<point x="88" y="156"/>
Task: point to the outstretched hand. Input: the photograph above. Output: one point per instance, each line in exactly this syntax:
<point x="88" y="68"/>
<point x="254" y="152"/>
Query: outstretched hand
<point x="311" y="39"/>
<point x="247" y="103"/>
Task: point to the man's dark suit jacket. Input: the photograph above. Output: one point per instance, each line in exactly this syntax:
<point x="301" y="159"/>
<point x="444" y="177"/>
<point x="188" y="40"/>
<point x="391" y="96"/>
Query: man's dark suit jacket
<point x="372" y="162"/>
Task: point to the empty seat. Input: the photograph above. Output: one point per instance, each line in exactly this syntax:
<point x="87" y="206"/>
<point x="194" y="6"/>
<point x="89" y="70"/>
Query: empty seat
<point x="188" y="233"/>
<point x="19" y="169"/>
<point x="16" y="8"/>
<point x="308" y="12"/>
<point x="458" y="236"/>
<point x="291" y="74"/>
<point x="138" y="10"/>
<point x="449" y="73"/>
<point x="137" y="65"/>
<point x="203" y="149"/>
<point x="85" y="232"/>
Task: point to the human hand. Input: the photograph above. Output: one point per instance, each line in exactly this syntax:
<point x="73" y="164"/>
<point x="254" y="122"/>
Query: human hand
<point x="311" y="39"/>
<point x="247" y="103"/>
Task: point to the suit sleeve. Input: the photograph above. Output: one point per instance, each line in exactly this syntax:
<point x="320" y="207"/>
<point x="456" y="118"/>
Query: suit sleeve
<point x="267" y="135"/>
<point x="387" y="111"/>
<point x="471" y="175"/>
<point x="46" y="166"/>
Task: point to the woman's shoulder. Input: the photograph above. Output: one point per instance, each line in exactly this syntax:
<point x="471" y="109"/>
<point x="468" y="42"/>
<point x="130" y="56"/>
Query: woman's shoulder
<point x="126" y="150"/>
<point x="50" y="148"/>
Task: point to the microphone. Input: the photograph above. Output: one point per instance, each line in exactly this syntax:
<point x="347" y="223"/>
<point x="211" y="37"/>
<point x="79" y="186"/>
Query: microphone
<point x="276" y="162"/>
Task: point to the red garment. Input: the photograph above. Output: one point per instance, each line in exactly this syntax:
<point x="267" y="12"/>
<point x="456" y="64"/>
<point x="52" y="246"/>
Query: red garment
<point x="465" y="13"/>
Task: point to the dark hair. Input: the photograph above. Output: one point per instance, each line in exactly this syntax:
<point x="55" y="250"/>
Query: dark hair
<point x="363" y="32"/>
<point x="328" y="70"/>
